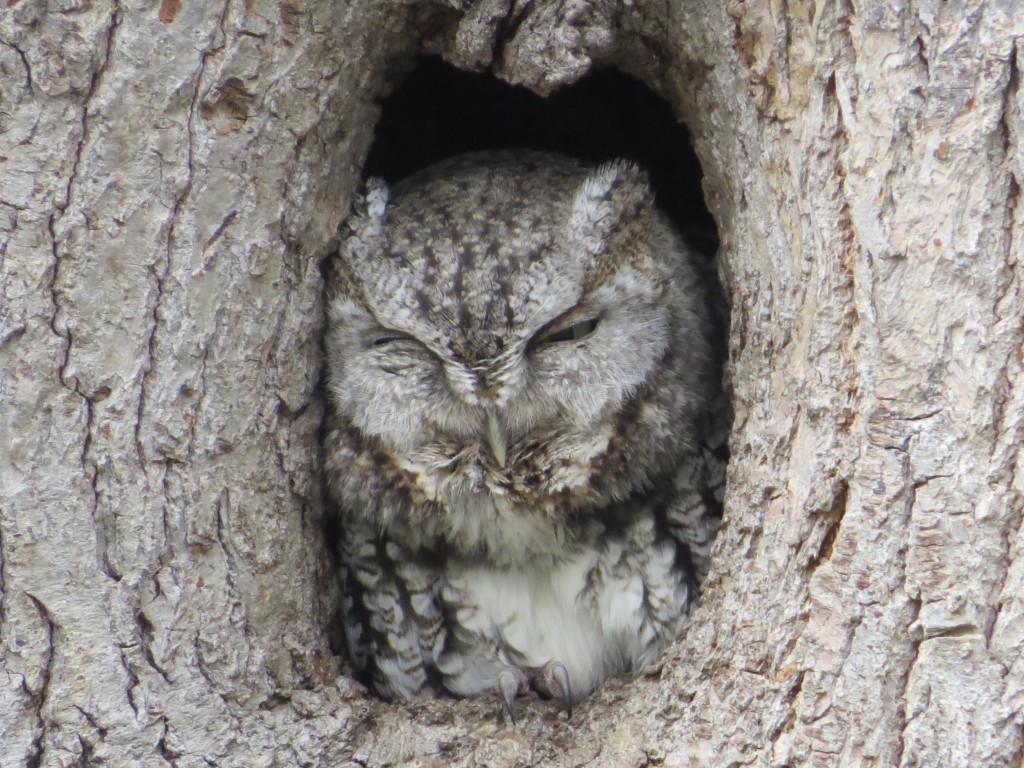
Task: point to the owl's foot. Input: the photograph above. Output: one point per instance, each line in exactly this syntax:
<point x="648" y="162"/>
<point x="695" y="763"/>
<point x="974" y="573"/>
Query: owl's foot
<point x="550" y="681"/>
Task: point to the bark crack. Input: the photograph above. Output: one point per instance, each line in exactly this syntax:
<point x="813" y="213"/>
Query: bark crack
<point x="62" y="206"/>
<point x="160" y="275"/>
<point x="789" y="719"/>
<point x="103" y="521"/>
<point x="169" y="755"/>
<point x="91" y="719"/>
<point x="506" y="29"/>
<point x="146" y="638"/>
<point x="89" y="467"/>
<point x="222" y="538"/>
<point x="24" y="62"/>
<point x="909" y="491"/>
<point x="37" y="749"/>
<point x="201" y="666"/>
<point x="1012" y="203"/>
<point x="833" y="521"/>
<point x="1006" y="382"/>
<point x="901" y="693"/>
<point x="197" y="409"/>
<point x="217" y="234"/>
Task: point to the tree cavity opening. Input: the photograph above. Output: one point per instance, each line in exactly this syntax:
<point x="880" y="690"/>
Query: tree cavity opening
<point x="439" y="111"/>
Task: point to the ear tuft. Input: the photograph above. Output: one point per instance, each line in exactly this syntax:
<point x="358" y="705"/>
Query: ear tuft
<point x="374" y="199"/>
<point x="614" y="193"/>
<point x="364" y="225"/>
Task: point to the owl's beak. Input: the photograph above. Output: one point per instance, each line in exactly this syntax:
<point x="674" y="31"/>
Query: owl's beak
<point x="496" y="438"/>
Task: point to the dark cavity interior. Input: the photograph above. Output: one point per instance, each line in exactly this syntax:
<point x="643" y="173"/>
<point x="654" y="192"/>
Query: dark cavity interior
<point x="439" y="111"/>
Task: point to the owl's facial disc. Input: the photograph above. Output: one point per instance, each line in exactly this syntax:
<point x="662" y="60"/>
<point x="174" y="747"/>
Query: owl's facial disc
<point x="549" y="379"/>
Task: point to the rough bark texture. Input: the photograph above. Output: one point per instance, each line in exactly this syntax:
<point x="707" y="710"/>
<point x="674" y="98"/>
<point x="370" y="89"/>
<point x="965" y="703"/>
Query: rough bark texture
<point x="170" y="176"/>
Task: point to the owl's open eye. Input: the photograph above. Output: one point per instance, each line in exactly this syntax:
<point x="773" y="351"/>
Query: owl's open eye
<point x="574" y="332"/>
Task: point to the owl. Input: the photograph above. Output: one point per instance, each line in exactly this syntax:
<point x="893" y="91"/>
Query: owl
<point x="524" y="449"/>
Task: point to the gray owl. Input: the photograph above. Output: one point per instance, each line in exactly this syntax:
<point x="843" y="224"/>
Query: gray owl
<point x="522" y="381"/>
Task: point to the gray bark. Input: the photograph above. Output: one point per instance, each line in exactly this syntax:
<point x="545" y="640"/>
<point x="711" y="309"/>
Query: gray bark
<point x="170" y="176"/>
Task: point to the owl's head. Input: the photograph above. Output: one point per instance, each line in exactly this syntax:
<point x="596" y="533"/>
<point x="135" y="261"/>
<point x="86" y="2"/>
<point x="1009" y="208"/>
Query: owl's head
<point x="517" y="325"/>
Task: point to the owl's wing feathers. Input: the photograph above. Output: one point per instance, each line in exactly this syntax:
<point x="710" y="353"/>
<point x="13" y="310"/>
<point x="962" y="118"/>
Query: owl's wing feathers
<point x="391" y="615"/>
<point x="695" y="512"/>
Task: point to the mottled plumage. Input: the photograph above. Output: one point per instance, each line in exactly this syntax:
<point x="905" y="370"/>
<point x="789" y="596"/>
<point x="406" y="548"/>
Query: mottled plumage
<point x="522" y="382"/>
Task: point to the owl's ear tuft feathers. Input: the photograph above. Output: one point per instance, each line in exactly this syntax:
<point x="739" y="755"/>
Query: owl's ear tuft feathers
<point x="373" y="200"/>
<point x="357" y="235"/>
<point x="364" y="225"/>
<point x="615" y="193"/>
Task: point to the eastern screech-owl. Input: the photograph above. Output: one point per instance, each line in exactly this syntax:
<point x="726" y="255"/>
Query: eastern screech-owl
<point x="522" y="381"/>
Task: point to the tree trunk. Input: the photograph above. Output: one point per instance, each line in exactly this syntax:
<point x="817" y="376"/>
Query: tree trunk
<point x="171" y="176"/>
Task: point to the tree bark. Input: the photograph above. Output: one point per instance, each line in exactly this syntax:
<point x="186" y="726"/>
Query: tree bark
<point x="171" y="176"/>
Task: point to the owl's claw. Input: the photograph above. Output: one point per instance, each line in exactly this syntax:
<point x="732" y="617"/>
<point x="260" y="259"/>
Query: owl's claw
<point x="550" y="681"/>
<point x="512" y="682"/>
<point x="553" y="681"/>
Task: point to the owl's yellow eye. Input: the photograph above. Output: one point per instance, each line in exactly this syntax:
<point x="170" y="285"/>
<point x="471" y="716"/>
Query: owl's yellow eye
<point x="574" y="332"/>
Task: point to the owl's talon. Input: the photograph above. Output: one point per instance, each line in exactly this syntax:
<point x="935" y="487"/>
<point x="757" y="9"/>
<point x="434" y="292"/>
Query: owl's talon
<point x="512" y="682"/>
<point x="553" y="681"/>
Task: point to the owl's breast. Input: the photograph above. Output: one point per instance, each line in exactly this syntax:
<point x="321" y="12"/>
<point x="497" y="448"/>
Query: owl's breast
<point x="601" y="611"/>
<point x="533" y="507"/>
